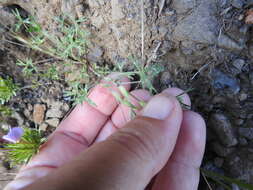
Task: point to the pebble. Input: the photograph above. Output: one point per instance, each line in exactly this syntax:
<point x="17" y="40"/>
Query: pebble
<point x="246" y="132"/>
<point x="166" y="78"/>
<point x="95" y="54"/>
<point x="239" y="64"/>
<point x="55" y="110"/>
<point x="221" y="150"/>
<point x="223" y="128"/>
<point x="54" y="122"/>
<point x="223" y="81"/>
<point x="243" y="97"/>
<point x="237" y="3"/>
<point x="38" y="113"/>
<point x="18" y="117"/>
<point x="117" y="11"/>
<point x="27" y="114"/>
<point x="43" y="127"/>
<point x="65" y="107"/>
<point x="243" y="141"/>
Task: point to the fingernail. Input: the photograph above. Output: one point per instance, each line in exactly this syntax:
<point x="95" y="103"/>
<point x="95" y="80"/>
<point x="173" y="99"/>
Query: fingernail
<point x="159" y="107"/>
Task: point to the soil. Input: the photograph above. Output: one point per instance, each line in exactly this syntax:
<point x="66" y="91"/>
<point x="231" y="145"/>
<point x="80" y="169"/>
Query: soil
<point x="203" y="44"/>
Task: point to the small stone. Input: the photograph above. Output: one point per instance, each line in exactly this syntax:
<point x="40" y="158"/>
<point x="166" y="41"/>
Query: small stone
<point x="18" y="117"/>
<point x="239" y="63"/>
<point x="38" y="113"/>
<point x="97" y="21"/>
<point x="95" y="3"/>
<point x="218" y="162"/>
<point x="166" y="78"/>
<point x="237" y="3"/>
<point x="30" y="107"/>
<point x="117" y="12"/>
<point x="55" y="110"/>
<point x="243" y="97"/>
<point x="79" y="11"/>
<point x="27" y="114"/>
<point x="95" y="55"/>
<point x="54" y="122"/>
<point x="243" y="141"/>
<point x="246" y="132"/>
<point x="221" y="81"/>
<point x="221" y="150"/>
<point x="223" y="128"/>
<point x="65" y="107"/>
<point x="43" y="127"/>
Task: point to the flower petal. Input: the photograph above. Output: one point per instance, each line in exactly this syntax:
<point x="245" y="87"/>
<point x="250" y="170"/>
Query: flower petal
<point x="14" y="135"/>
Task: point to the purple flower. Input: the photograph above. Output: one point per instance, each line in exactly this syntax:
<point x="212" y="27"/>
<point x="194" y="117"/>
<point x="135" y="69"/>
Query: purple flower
<point x="14" y="134"/>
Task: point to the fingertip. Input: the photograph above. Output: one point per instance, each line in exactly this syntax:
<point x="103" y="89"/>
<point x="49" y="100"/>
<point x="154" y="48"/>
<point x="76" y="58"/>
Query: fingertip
<point x="195" y="127"/>
<point x="101" y="95"/>
<point x="123" y="113"/>
<point x="176" y="91"/>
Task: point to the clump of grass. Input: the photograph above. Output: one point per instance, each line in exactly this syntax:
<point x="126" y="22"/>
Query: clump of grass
<point x="225" y="181"/>
<point x="7" y="89"/>
<point x="5" y="111"/>
<point x="28" y="67"/>
<point x="22" y="151"/>
<point x="68" y="43"/>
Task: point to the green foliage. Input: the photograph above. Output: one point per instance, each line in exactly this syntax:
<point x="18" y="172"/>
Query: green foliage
<point x="7" y="90"/>
<point x="78" y="93"/>
<point x="147" y="74"/>
<point x="223" y="180"/>
<point x="68" y="43"/>
<point x="28" y="23"/>
<point x="26" y="148"/>
<point x="52" y="73"/>
<point x="28" y="67"/>
<point x="5" y="111"/>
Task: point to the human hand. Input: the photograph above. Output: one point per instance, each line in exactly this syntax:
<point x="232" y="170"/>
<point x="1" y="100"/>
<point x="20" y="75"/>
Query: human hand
<point x="100" y="148"/>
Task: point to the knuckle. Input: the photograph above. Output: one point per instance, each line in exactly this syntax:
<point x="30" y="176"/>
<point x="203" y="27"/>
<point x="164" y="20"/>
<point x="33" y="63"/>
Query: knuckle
<point x="137" y="141"/>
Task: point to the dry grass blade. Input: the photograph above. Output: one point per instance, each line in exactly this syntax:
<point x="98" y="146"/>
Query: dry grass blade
<point x="208" y="184"/>
<point x="161" y="6"/>
<point x="142" y="31"/>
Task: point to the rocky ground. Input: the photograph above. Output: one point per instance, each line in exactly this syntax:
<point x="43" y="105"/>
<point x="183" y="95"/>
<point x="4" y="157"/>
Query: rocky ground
<point x="203" y="44"/>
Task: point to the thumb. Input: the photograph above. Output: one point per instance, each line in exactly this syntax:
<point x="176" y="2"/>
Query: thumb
<point x="129" y="159"/>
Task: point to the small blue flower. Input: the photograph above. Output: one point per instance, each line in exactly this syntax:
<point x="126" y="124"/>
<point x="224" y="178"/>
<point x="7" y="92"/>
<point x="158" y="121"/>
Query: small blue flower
<point x="14" y="135"/>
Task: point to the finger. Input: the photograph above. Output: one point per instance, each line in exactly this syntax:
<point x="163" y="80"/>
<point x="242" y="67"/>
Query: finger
<point x="79" y="129"/>
<point x="76" y="132"/>
<point x="122" y="114"/>
<point x="108" y="129"/>
<point x="129" y="159"/>
<point x="184" y="97"/>
<point x="87" y="120"/>
<point x="182" y="170"/>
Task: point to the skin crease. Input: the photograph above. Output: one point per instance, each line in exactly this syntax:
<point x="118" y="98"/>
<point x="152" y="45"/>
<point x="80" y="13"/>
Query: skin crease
<point x="102" y="148"/>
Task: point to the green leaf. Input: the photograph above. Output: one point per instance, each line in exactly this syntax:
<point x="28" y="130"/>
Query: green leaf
<point x="228" y="180"/>
<point x="26" y="148"/>
<point x="7" y="90"/>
